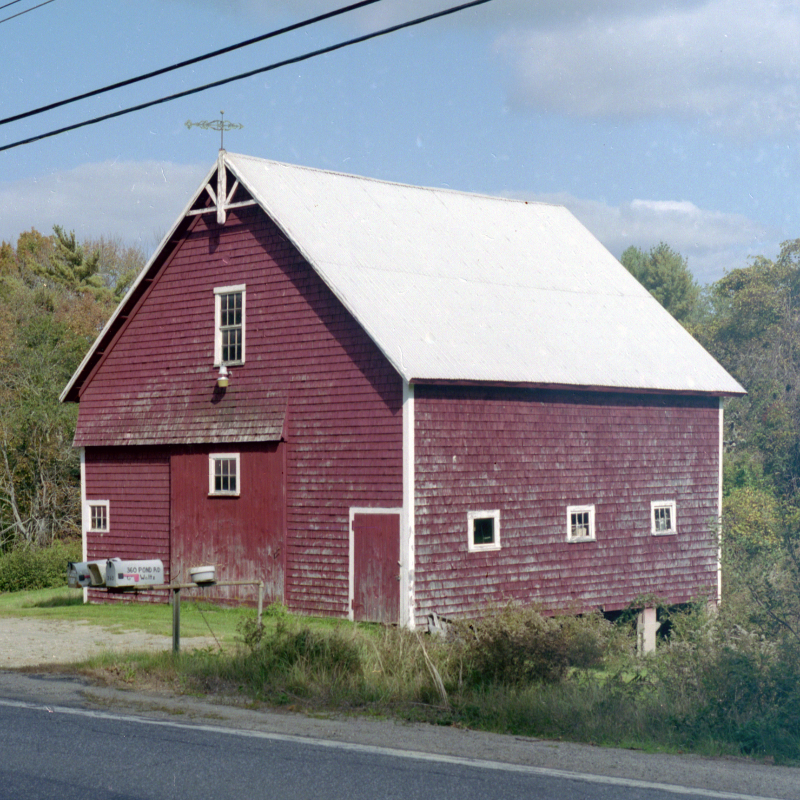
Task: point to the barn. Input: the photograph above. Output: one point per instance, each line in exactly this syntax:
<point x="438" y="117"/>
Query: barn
<point x="390" y="402"/>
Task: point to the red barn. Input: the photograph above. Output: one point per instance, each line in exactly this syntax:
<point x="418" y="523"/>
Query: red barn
<point x="435" y="401"/>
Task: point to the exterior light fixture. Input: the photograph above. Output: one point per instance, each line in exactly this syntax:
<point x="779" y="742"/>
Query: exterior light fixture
<point x="222" y="378"/>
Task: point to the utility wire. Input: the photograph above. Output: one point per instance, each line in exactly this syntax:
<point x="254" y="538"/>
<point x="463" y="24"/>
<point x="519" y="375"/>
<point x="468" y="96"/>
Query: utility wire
<point x="9" y="4"/>
<point x="242" y="76"/>
<point x="188" y="62"/>
<point x="20" y="13"/>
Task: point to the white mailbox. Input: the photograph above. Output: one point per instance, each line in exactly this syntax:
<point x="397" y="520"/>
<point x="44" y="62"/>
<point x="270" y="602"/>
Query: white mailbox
<point x="122" y="574"/>
<point x="97" y="572"/>
<point x="78" y="574"/>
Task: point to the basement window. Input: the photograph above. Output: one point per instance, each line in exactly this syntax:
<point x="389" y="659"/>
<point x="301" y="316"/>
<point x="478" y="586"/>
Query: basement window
<point x="229" y="327"/>
<point x="483" y="530"/>
<point x="98" y="516"/>
<point x="662" y="517"/>
<point x="223" y="475"/>
<point x="580" y="524"/>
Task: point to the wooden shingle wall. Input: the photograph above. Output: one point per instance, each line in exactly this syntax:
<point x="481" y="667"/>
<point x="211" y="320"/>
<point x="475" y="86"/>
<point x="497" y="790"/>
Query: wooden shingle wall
<point x="342" y="399"/>
<point x="135" y="482"/>
<point x="531" y="454"/>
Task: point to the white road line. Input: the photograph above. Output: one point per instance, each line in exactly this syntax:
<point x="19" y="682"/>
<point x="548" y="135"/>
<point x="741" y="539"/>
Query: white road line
<point x="394" y="753"/>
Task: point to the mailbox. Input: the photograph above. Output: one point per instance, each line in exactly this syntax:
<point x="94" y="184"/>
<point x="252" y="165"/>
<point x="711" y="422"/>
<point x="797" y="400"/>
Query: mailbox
<point x="86" y="573"/>
<point x="78" y="574"/>
<point x="122" y="574"/>
<point x="97" y="571"/>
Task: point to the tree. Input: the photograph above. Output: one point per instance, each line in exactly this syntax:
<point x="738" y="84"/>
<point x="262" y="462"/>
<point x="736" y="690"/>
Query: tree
<point x="71" y="268"/>
<point x="39" y="472"/>
<point x="54" y="299"/>
<point x="754" y="331"/>
<point x="666" y="275"/>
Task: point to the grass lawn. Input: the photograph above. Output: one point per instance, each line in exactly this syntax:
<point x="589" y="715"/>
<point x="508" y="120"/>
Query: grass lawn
<point x="197" y="618"/>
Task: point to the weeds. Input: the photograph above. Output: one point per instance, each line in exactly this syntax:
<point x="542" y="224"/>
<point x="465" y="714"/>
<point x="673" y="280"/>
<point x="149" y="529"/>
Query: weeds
<point x="715" y="685"/>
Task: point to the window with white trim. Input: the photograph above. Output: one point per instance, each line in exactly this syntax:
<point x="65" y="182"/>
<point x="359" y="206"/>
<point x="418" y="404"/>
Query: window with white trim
<point x="98" y="515"/>
<point x="580" y="523"/>
<point x="223" y="475"/>
<point x="483" y="530"/>
<point x="229" y="325"/>
<point x="662" y="517"/>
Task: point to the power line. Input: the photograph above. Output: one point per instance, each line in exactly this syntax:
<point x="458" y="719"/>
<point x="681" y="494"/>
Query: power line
<point x="20" y="13"/>
<point x="242" y="76"/>
<point x="188" y="62"/>
<point x="9" y="4"/>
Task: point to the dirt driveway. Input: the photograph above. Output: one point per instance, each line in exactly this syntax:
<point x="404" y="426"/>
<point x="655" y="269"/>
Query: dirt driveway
<point x="30" y="642"/>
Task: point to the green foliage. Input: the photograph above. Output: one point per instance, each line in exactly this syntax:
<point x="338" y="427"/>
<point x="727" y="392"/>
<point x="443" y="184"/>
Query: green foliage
<point x="666" y="275"/>
<point x="38" y="467"/>
<point x="518" y="645"/>
<point x="70" y="267"/>
<point x="54" y="300"/>
<point x="25" y="568"/>
<point x="723" y="682"/>
<point x="751" y="519"/>
<point x="754" y="331"/>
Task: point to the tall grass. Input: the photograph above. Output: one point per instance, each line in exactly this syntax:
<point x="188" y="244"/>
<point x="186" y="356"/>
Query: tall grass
<point x="706" y="690"/>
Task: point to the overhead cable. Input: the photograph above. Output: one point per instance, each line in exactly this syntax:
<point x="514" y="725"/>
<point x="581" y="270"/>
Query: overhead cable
<point x="242" y="76"/>
<point x="20" y="13"/>
<point x="155" y="73"/>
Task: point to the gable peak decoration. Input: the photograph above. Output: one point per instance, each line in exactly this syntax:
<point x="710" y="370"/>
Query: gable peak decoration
<point x="221" y="198"/>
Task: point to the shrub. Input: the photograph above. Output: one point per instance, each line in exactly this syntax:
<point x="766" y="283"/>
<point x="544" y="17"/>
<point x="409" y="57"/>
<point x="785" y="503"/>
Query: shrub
<point x="517" y="644"/>
<point x="37" y="568"/>
<point x="725" y="683"/>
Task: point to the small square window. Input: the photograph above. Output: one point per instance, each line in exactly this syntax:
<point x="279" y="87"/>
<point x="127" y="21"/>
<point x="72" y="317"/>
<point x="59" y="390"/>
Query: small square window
<point x="229" y="325"/>
<point x="662" y="517"/>
<point x="580" y="523"/>
<point x="483" y="530"/>
<point x="98" y="516"/>
<point x="223" y="474"/>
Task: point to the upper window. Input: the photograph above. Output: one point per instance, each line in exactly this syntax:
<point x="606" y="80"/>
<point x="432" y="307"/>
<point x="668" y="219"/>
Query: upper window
<point x="223" y="474"/>
<point x="662" y="517"/>
<point x="580" y="523"/>
<point x="229" y="316"/>
<point x="483" y="530"/>
<point x="98" y="515"/>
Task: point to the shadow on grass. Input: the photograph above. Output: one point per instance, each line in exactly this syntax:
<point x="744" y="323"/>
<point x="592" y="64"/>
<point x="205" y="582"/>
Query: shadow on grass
<point x="59" y="602"/>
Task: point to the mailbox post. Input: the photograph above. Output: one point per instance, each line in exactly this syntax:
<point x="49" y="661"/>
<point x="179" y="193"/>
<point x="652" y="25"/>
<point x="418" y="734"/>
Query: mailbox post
<point x="147" y="575"/>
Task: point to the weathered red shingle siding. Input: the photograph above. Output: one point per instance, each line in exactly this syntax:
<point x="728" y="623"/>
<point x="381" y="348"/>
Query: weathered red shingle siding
<point x="305" y="355"/>
<point x="530" y="454"/>
<point x="136" y="483"/>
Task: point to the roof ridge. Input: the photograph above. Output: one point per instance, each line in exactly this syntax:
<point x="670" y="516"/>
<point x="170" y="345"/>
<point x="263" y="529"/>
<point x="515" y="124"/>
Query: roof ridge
<point x="384" y="181"/>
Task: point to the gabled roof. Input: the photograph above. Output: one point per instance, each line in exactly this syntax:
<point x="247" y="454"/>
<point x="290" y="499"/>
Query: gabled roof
<point x="462" y="287"/>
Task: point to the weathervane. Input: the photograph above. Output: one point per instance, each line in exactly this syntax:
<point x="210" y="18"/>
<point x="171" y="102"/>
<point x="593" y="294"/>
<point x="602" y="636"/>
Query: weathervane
<point x="220" y="125"/>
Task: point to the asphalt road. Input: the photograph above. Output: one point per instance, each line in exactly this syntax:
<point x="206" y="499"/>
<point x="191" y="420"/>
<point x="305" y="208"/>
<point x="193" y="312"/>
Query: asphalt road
<point x="60" y="738"/>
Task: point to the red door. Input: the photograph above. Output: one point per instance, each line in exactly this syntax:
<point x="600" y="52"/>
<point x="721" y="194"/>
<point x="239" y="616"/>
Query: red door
<point x="376" y="567"/>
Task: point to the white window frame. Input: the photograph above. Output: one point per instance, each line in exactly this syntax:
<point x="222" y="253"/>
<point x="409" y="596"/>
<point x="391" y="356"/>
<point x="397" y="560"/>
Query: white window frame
<point x="471" y="517"/>
<point x="212" y="461"/>
<point x="592" y="537"/>
<point x="218" y="292"/>
<point x="105" y="504"/>
<point x="670" y="505"/>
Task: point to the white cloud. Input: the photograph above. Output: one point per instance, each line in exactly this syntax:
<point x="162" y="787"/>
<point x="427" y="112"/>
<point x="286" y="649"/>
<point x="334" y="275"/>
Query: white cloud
<point x="136" y="201"/>
<point x="139" y="201"/>
<point x="712" y="241"/>
<point x="732" y="63"/>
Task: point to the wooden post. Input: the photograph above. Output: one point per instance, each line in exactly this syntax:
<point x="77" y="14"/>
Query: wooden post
<point x="260" y="601"/>
<point x="176" y="620"/>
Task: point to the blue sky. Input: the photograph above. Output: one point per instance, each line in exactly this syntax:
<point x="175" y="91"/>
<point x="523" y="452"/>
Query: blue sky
<point x="660" y="121"/>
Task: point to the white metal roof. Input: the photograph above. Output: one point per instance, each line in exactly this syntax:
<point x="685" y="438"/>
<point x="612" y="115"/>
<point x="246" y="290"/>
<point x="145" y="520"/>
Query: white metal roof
<point x="461" y="287"/>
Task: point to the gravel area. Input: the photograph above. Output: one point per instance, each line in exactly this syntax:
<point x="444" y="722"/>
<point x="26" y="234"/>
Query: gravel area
<point x="33" y="642"/>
